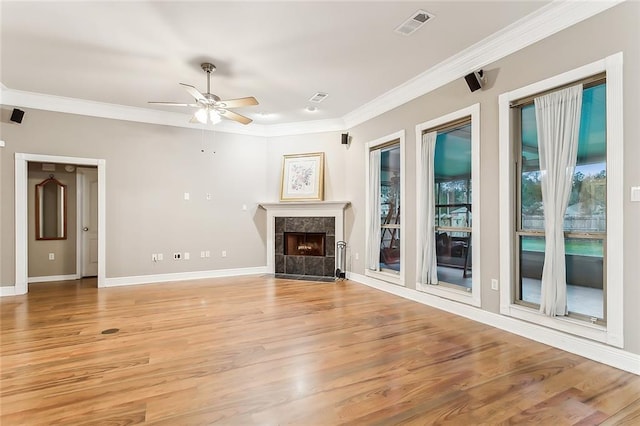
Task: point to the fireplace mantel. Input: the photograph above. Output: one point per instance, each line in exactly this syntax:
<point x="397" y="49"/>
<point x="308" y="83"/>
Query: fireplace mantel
<point x="306" y="205"/>
<point x="301" y="209"/>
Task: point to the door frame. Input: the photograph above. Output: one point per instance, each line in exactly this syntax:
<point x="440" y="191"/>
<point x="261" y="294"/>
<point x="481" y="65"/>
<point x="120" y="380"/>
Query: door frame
<point x="21" y="225"/>
<point x="80" y="195"/>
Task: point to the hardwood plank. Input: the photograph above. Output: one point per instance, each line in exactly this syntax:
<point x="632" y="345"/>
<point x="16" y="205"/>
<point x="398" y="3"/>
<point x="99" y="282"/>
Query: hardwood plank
<point x="629" y="415"/>
<point x="260" y="350"/>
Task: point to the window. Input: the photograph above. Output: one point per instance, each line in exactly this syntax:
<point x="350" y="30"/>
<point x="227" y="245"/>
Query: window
<point x="589" y="213"/>
<point x="390" y="208"/>
<point x="584" y="218"/>
<point x="448" y="179"/>
<point x="452" y="167"/>
<point x="385" y="251"/>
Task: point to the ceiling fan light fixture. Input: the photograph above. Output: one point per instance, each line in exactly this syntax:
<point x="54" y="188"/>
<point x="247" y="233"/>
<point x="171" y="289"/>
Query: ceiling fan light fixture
<point x="214" y="117"/>
<point x="201" y="115"/>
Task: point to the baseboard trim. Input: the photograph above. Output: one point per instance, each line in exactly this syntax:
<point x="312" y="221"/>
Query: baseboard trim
<point x="595" y="351"/>
<point x="7" y="291"/>
<point x="183" y="276"/>
<point x="53" y="278"/>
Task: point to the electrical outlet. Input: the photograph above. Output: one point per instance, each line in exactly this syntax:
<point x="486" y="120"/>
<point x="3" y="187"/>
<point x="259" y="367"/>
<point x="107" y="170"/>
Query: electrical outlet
<point x="154" y="257"/>
<point x="202" y="254"/>
<point x="187" y="256"/>
<point x="244" y="207"/>
<point x="186" y="196"/>
<point x="207" y="253"/>
<point x="208" y="196"/>
<point x="177" y="256"/>
<point x="160" y="257"/>
<point x="224" y="253"/>
<point x="52" y="256"/>
<point x="494" y="284"/>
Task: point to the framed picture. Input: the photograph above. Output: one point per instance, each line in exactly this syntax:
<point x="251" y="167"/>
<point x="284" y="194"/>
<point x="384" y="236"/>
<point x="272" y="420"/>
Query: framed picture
<point x="302" y="177"/>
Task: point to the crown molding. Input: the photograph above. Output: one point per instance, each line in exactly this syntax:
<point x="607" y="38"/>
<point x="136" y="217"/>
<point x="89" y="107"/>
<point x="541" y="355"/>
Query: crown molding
<point x="19" y="98"/>
<point x="546" y="21"/>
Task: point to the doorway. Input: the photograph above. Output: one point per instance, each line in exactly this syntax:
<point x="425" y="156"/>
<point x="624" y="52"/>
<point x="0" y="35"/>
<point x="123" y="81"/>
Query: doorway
<point x="21" y="226"/>
<point x="87" y="213"/>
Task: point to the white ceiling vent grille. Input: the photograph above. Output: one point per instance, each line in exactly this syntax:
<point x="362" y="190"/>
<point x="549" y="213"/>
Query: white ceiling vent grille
<point x="411" y="25"/>
<point x="318" y="97"/>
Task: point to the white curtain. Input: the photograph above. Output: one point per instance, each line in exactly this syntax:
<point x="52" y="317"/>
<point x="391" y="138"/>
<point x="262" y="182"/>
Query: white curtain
<point x="429" y="267"/>
<point x="558" y="124"/>
<point x="373" y="250"/>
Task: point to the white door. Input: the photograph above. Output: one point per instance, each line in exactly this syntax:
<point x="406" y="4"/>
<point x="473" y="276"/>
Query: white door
<point x="89" y="221"/>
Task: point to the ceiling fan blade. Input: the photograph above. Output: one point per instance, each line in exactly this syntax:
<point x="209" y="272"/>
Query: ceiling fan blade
<point x="234" y="116"/>
<point x="236" y="103"/>
<point x="173" y="104"/>
<point x="194" y="92"/>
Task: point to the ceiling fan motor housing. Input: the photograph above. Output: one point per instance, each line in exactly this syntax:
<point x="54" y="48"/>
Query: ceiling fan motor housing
<point x="211" y="97"/>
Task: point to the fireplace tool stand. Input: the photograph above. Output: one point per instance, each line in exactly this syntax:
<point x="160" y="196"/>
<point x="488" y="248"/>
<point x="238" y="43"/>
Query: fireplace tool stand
<point x="341" y="260"/>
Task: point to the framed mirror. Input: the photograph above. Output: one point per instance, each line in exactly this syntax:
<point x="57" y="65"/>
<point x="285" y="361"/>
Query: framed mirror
<point x="51" y="210"/>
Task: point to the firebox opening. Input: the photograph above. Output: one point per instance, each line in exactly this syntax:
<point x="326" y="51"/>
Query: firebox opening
<point x="304" y="244"/>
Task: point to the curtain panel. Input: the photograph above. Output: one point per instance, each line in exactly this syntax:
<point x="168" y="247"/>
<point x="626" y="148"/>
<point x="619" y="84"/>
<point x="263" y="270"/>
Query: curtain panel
<point x="373" y="249"/>
<point x="429" y="267"/>
<point x="558" y="125"/>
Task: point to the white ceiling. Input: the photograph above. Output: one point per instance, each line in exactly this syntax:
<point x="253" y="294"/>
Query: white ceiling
<point x="131" y="52"/>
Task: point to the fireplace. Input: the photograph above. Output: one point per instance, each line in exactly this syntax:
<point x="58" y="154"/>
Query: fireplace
<point x="304" y="244"/>
<point x="308" y="217"/>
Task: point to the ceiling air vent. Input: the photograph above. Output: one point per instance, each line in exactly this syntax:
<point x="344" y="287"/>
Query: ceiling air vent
<point x="416" y="20"/>
<point x="318" y="97"/>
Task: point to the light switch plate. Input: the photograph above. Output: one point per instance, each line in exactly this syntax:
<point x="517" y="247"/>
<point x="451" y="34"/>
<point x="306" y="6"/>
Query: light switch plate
<point x="635" y="193"/>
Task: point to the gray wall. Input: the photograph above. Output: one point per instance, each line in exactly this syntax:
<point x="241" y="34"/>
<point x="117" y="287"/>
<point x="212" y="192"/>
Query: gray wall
<point x="63" y="250"/>
<point x="605" y="34"/>
<point x="149" y="167"/>
<point x="336" y="169"/>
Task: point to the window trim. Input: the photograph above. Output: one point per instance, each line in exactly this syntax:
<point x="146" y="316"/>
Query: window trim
<point x="472" y="298"/>
<point x="612" y="333"/>
<point x="391" y="277"/>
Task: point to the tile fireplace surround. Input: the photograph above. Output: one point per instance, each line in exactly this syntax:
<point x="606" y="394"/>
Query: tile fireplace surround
<point x="291" y="264"/>
<point x="312" y="212"/>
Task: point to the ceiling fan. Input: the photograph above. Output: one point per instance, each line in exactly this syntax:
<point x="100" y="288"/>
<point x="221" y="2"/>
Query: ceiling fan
<point x="210" y="107"/>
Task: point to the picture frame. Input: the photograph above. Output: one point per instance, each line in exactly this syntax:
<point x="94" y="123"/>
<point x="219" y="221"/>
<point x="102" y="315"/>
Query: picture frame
<point x="302" y="177"/>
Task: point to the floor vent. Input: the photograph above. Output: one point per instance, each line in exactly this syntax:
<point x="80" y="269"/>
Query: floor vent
<point x="411" y="25"/>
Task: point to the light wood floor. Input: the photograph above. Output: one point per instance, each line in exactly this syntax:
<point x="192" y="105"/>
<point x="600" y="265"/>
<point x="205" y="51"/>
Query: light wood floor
<point x="257" y="350"/>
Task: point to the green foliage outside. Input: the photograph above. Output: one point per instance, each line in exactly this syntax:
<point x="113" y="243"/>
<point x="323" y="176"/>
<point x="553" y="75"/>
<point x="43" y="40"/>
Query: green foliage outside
<point x="588" y="192"/>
